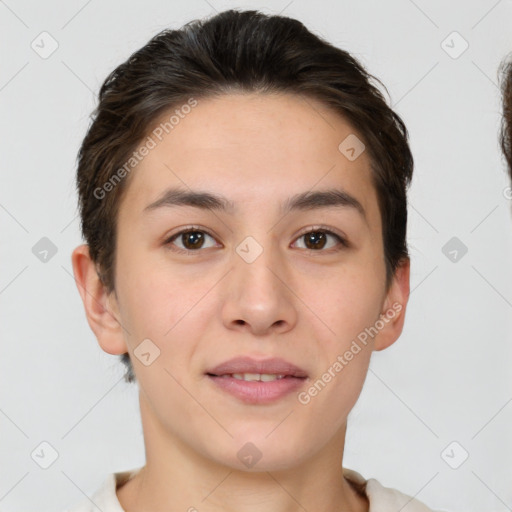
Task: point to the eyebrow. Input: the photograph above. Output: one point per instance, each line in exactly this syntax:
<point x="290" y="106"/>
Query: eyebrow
<point x="300" y="202"/>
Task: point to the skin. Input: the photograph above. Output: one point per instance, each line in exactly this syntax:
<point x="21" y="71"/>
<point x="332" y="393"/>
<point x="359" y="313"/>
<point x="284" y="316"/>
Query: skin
<point x="202" y="308"/>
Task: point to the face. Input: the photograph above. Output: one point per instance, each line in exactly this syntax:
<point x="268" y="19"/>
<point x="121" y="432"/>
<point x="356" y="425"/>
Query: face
<point x="263" y="274"/>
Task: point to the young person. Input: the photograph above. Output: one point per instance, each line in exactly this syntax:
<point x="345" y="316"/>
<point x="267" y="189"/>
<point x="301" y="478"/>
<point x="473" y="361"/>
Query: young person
<point x="242" y="191"/>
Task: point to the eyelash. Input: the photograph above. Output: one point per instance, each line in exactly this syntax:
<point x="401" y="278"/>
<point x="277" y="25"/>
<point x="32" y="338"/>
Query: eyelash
<point x="316" y="229"/>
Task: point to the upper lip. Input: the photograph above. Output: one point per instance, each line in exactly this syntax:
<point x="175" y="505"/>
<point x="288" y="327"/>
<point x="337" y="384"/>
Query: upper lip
<point x="245" y="364"/>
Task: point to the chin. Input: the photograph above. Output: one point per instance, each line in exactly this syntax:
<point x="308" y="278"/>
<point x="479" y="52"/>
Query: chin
<point x="258" y="453"/>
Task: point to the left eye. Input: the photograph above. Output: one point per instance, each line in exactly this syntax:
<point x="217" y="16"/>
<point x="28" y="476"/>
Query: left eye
<point x="193" y="240"/>
<point x="315" y="240"/>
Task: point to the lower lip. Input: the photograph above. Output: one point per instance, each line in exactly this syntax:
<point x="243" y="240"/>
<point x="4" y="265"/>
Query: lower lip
<point x="258" y="392"/>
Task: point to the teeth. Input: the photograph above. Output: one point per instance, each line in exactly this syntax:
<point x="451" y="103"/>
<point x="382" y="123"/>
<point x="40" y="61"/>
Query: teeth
<point x="264" y="377"/>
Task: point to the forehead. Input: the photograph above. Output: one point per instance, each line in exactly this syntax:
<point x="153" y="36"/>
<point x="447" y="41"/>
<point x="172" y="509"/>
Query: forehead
<point x="250" y="147"/>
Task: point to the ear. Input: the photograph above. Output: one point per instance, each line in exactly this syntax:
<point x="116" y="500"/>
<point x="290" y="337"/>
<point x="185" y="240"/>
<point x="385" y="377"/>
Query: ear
<point x="393" y="310"/>
<point x="101" y="315"/>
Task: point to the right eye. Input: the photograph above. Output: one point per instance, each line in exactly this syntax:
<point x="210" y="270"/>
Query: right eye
<point x="192" y="240"/>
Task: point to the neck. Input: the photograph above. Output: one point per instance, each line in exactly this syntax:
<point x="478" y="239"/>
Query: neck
<point x="177" y="477"/>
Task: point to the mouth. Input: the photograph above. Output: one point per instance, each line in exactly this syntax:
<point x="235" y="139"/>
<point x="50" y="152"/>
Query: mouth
<point x="248" y="368"/>
<point x="257" y="381"/>
<point x="253" y="377"/>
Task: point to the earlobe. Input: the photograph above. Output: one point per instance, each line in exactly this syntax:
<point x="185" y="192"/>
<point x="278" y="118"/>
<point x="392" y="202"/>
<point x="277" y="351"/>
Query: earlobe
<point x="101" y="315"/>
<point x="393" y="311"/>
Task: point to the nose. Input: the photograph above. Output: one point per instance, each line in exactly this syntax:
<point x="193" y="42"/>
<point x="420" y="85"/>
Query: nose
<point x="259" y="295"/>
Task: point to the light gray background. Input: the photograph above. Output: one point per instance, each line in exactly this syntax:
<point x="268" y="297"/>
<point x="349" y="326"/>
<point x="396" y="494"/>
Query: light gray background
<point x="447" y="379"/>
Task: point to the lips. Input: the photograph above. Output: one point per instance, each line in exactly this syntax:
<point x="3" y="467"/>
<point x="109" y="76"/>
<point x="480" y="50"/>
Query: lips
<point x="257" y="382"/>
<point x="248" y="365"/>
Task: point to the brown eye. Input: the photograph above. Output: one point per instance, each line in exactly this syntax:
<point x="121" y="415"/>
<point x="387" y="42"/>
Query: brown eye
<point x="319" y="239"/>
<point x="315" y="240"/>
<point x="190" y="239"/>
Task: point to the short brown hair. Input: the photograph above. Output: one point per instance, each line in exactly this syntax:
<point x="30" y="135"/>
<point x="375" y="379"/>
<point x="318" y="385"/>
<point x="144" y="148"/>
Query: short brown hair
<point x="506" y="123"/>
<point x="239" y="51"/>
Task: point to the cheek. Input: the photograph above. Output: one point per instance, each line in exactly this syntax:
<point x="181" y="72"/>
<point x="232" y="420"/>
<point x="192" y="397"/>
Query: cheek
<point x="171" y="309"/>
<point x="347" y="301"/>
<point x="156" y="294"/>
<point x="349" y="306"/>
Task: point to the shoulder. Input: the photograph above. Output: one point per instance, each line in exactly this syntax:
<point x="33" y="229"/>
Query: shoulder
<point x="381" y="499"/>
<point x="385" y="499"/>
<point x="105" y="497"/>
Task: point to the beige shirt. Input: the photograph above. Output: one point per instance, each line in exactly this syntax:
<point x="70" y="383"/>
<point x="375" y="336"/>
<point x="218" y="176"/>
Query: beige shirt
<point x="381" y="499"/>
